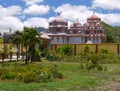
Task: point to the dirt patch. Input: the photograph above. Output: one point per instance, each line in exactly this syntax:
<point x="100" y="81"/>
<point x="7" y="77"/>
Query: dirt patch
<point x="113" y="84"/>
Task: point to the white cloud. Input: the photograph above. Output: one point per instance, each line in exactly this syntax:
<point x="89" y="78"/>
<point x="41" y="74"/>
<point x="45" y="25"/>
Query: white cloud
<point x="31" y="2"/>
<point x="107" y="4"/>
<point x="8" y="19"/>
<point x="111" y="19"/>
<point x="9" y="11"/>
<point x="37" y="9"/>
<point x="36" y="22"/>
<point x="72" y="12"/>
<point x="10" y="22"/>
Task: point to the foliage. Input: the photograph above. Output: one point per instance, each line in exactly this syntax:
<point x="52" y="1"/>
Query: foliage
<point x="74" y="79"/>
<point x="1" y="40"/>
<point x="66" y="50"/>
<point x="56" y="73"/>
<point x="29" y="73"/>
<point x="112" y="33"/>
<point x="30" y="39"/>
<point x="110" y="38"/>
<point x="63" y="53"/>
<point x="93" y="60"/>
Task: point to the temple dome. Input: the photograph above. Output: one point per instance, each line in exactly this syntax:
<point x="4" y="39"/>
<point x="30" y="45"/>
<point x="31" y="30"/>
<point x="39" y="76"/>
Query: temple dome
<point x="94" y="17"/>
<point x="59" y="19"/>
<point x="77" y="23"/>
<point x="58" y="22"/>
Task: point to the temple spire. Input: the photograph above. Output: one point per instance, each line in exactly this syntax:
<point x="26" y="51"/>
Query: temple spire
<point x="93" y="12"/>
<point x="59" y="13"/>
<point x="10" y="30"/>
<point x="77" y="19"/>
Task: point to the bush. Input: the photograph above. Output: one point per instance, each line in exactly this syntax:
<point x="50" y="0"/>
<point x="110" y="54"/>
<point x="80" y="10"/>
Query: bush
<point x="29" y="77"/>
<point x="56" y="73"/>
<point x="8" y="75"/>
<point x="65" y="50"/>
<point x="105" y="68"/>
<point x="5" y="64"/>
<point x="44" y="76"/>
<point x="29" y="73"/>
<point x="99" y="67"/>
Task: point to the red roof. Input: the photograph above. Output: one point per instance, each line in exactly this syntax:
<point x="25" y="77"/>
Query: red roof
<point x="59" y="19"/>
<point x="94" y="17"/>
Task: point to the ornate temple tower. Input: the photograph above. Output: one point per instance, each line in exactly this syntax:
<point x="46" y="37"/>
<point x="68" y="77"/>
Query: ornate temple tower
<point x="58" y="25"/>
<point x="93" y="30"/>
<point x="76" y="27"/>
<point x="76" y="33"/>
<point x="58" y="29"/>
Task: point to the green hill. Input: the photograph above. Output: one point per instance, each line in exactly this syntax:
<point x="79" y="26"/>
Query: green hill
<point x="112" y="33"/>
<point x="40" y="29"/>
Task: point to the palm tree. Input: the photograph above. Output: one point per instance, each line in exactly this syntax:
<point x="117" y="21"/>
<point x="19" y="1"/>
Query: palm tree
<point x="31" y="39"/>
<point x="34" y="40"/>
<point x="26" y="37"/>
<point x="17" y="40"/>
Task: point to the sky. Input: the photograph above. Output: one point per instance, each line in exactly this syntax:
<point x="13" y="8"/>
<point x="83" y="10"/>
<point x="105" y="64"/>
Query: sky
<point x="15" y="14"/>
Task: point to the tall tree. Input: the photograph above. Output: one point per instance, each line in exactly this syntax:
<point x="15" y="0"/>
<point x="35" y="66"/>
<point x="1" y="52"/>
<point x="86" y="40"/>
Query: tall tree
<point x="26" y="37"/>
<point x="31" y="39"/>
<point x="17" y="40"/>
<point x="34" y="40"/>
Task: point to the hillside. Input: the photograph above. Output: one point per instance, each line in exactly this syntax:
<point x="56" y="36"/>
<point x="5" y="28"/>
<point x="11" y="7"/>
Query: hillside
<point x="112" y="33"/>
<point x="40" y="29"/>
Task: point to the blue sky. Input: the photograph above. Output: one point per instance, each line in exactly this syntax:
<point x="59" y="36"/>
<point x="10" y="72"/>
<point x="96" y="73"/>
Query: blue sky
<point x="18" y="13"/>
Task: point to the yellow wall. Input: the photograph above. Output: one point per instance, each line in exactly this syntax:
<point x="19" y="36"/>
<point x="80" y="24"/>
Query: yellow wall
<point x="112" y="48"/>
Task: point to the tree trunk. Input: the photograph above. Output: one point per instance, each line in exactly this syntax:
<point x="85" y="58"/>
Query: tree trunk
<point x="10" y="56"/>
<point x="26" y="59"/>
<point x="3" y="56"/>
<point x="17" y="54"/>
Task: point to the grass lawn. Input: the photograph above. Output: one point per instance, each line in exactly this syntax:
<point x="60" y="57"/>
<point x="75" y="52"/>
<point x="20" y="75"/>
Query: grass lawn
<point x="74" y="79"/>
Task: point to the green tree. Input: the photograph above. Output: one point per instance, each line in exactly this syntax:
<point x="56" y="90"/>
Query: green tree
<point x="31" y="41"/>
<point x="17" y="40"/>
<point x="26" y="36"/>
<point x="110" y="39"/>
<point x="66" y="50"/>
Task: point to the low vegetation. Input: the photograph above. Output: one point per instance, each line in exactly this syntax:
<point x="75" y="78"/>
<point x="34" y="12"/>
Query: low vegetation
<point x="74" y="78"/>
<point x="29" y="73"/>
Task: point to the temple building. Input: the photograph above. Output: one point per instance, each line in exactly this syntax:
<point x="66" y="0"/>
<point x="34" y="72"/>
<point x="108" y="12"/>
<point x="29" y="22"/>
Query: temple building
<point x="89" y="32"/>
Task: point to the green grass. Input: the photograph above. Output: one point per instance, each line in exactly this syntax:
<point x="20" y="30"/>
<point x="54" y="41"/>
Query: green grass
<point x="74" y="79"/>
<point x="1" y="40"/>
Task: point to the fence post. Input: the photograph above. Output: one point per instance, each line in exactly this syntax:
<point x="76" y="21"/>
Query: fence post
<point x="118" y="51"/>
<point x="55" y="47"/>
<point x="96" y="50"/>
<point x="75" y="49"/>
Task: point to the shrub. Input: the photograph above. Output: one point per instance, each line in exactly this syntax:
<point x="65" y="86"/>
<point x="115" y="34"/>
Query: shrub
<point x="66" y="50"/>
<point x="81" y="66"/>
<point x="56" y="73"/>
<point x="29" y="73"/>
<point x="20" y="76"/>
<point x="8" y="75"/>
<point x="44" y="76"/>
<point x="105" y="68"/>
<point x="5" y="64"/>
<point x="29" y="77"/>
<point x="99" y="67"/>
